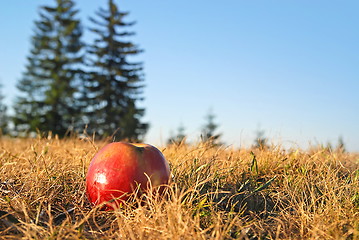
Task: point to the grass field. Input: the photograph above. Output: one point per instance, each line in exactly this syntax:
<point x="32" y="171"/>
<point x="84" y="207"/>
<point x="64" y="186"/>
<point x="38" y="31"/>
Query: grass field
<point x="215" y="193"/>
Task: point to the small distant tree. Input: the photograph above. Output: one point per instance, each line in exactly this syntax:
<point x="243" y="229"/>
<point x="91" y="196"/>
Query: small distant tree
<point x="260" y="141"/>
<point x="114" y="84"/>
<point x="328" y="147"/>
<point x="209" y="130"/>
<point x="341" y="144"/>
<point x="179" y="138"/>
<point x="340" y="147"/>
<point x="3" y="115"/>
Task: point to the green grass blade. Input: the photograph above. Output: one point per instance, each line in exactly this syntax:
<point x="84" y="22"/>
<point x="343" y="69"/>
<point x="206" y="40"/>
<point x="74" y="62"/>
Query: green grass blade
<point x="265" y="185"/>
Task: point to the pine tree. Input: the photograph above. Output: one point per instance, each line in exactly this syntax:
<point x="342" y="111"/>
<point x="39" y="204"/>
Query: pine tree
<point x="180" y="138"/>
<point x="3" y="115"/>
<point x="114" y="84"/>
<point x="341" y="145"/>
<point x="49" y="86"/>
<point x="260" y="141"/>
<point x="209" y="130"/>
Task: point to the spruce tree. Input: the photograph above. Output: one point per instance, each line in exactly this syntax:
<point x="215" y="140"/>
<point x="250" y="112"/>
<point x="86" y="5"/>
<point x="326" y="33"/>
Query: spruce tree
<point x="341" y="145"/>
<point x="209" y="130"/>
<point x="260" y="141"/>
<point x="49" y="86"/>
<point x="114" y="84"/>
<point x="180" y="138"/>
<point x="3" y="115"/>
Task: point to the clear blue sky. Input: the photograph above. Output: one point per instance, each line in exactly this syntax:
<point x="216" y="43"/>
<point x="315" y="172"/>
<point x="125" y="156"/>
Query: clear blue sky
<point x="288" y="67"/>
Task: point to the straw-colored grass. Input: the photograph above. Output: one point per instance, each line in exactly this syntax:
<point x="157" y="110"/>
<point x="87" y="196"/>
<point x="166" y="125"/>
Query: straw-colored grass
<point x="216" y="193"/>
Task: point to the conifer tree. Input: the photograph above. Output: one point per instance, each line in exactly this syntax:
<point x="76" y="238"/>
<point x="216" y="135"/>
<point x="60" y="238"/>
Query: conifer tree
<point x="209" y="130"/>
<point x="260" y="141"/>
<point x="49" y="86"/>
<point x="180" y="138"/>
<point x="341" y="145"/>
<point x="114" y="85"/>
<point x="3" y="115"/>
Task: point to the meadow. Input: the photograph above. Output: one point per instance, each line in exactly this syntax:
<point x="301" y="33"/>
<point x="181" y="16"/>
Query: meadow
<point x="216" y="192"/>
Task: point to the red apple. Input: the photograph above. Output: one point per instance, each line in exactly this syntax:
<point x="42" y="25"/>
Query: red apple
<point x="119" y="169"/>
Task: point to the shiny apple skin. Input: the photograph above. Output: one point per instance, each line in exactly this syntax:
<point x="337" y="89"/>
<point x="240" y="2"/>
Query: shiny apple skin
<point x="119" y="168"/>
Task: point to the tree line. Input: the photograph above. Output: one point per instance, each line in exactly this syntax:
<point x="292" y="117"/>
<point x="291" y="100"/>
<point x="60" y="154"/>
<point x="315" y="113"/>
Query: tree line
<point x="70" y="85"/>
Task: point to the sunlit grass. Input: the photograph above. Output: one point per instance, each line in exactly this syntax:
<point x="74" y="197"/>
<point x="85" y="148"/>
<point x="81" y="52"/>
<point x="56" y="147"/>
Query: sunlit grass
<point x="215" y="193"/>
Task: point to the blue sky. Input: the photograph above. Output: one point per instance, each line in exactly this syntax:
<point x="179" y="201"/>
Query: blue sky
<point x="290" y="68"/>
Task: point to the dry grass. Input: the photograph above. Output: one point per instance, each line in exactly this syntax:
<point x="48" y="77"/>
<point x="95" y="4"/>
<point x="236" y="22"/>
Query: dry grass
<point x="216" y="193"/>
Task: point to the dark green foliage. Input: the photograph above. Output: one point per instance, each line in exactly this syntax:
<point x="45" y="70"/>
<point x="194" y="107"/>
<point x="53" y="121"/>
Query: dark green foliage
<point x="50" y="84"/>
<point x="341" y="144"/>
<point x="209" y="130"/>
<point x="340" y="147"/>
<point x="3" y="116"/>
<point x="113" y="84"/>
<point x="180" y="138"/>
<point x="260" y="141"/>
